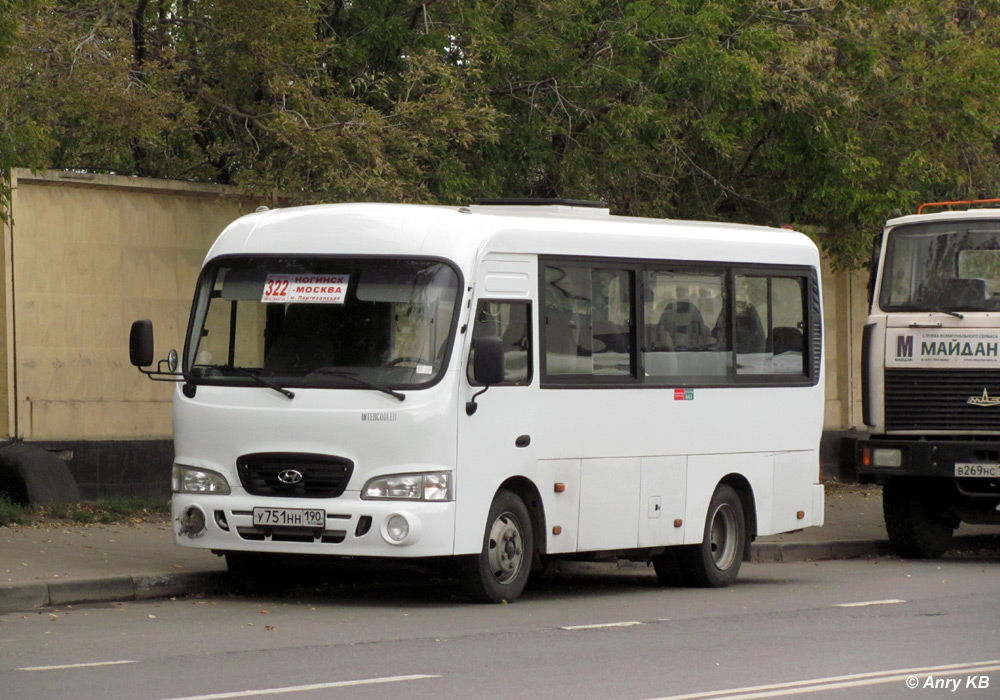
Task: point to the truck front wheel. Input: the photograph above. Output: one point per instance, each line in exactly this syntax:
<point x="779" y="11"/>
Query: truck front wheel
<point x="917" y="519"/>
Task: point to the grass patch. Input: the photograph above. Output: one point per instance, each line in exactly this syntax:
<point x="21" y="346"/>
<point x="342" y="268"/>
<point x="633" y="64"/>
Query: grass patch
<point x="14" y="513"/>
<point x="111" y="511"/>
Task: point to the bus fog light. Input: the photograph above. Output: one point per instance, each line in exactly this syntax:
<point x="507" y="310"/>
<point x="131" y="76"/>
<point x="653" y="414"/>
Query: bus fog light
<point x="396" y="528"/>
<point x="192" y="523"/>
<point x="887" y="457"/>
<point x="401" y="529"/>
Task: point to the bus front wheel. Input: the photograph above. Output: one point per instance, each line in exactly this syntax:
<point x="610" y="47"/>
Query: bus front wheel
<point x="500" y="571"/>
<point x="716" y="561"/>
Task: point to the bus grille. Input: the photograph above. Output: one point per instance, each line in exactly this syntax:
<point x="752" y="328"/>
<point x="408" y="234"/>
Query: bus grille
<point x="921" y="399"/>
<point x="271" y="474"/>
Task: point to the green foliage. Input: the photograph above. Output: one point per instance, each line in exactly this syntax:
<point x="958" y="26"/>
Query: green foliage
<point x="13" y="513"/>
<point x="821" y="114"/>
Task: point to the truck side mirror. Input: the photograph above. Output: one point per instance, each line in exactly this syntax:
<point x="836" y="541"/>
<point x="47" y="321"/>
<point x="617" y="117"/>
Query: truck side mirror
<point x="140" y="343"/>
<point x="487" y="366"/>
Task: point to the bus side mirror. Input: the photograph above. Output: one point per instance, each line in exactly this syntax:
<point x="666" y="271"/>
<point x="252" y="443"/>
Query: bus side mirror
<point x="487" y="366"/>
<point x="140" y="343"/>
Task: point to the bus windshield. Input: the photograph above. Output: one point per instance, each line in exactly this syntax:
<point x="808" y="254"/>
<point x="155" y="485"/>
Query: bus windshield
<point x="322" y="322"/>
<point x="942" y="266"/>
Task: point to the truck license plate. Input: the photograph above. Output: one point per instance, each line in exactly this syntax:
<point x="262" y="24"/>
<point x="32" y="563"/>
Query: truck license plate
<point x="289" y="517"/>
<point x="984" y="471"/>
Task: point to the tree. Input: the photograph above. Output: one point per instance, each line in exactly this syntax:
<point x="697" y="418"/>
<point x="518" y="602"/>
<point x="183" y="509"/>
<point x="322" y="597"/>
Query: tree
<point x="822" y="114"/>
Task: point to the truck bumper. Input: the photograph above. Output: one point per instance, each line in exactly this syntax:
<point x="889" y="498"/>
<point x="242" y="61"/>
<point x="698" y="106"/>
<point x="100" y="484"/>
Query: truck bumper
<point x="883" y="458"/>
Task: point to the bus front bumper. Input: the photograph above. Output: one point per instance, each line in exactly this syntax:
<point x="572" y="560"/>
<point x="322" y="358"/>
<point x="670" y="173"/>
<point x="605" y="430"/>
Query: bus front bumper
<point x="353" y="527"/>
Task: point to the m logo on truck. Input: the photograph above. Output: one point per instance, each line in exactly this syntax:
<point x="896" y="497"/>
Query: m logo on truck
<point x="904" y="347"/>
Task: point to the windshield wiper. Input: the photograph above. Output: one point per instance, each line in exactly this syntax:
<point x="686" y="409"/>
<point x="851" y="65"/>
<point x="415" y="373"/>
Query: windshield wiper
<point x="355" y="378"/>
<point x="910" y="308"/>
<point x="257" y="378"/>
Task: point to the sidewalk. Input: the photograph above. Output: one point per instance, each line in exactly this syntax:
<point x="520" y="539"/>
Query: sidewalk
<point x="43" y="566"/>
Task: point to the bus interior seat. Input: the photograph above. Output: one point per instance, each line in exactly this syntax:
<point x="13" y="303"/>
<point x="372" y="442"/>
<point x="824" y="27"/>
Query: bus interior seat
<point x="658" y="338"/>
<point x="682" y="321"/>
<point x="786" y="339"/>
<point x="615" y="337"/>
<point x="749" y="330"/>
<point x="562" y="331"/>
<point x="304" y="343"/>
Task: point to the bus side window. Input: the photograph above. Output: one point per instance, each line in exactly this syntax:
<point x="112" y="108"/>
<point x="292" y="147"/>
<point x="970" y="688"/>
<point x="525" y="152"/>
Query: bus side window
<point x="511" y="321"/>
<point x="686" y="326"/>
<point x="770" y="318"/>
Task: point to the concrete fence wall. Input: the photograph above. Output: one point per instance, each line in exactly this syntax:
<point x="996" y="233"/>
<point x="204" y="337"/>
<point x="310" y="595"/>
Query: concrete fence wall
<point x="85" y="255"/>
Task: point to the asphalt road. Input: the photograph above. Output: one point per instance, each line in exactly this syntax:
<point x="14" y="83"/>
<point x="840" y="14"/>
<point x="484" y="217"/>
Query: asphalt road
<point x="837" y="630"/>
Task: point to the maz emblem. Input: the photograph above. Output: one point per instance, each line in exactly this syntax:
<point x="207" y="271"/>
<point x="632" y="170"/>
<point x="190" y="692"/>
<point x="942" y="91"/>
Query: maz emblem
<point x="290" y="477"/>
<point x="984" y="400"/>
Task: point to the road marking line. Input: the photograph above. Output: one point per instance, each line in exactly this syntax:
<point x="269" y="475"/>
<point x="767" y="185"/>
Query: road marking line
<point x="817" y="685"/>
<point x="602" y="626"/>
<point x="62" y="666"/>
<point x="302" y="688"/>
<point x="891" y="601"/>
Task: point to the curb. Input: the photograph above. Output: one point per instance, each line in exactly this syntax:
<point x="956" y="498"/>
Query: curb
<point x="17" y="597"/>
<point x="786" y="552"/>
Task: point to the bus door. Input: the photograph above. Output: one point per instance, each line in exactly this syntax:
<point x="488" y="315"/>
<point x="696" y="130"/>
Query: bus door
<point x="495" y="427"/>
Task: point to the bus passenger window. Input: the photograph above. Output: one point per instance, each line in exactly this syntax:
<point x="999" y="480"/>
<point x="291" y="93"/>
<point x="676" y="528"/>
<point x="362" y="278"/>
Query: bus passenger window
<point x="588" y="322"/>
<point x="686" y="325"/>
<point x="769" y="325"/>
<point x="511" y="322"/>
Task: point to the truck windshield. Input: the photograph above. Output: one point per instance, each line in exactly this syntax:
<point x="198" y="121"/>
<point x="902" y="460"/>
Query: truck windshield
<point x="942" y="266"/>
<point x="366" y="324"/>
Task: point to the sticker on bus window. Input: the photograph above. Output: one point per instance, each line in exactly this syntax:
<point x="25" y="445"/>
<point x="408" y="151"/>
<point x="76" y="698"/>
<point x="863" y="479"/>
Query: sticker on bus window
<point x="305" y="288"/>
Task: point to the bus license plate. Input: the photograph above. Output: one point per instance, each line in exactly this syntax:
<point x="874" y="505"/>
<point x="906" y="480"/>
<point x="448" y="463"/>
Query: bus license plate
<point x="984" y="471"/>
<point x="289" y="517"/>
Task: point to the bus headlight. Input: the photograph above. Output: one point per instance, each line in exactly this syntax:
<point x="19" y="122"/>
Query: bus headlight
<point x="194" y="480"/>
<point x="429" y="486"/>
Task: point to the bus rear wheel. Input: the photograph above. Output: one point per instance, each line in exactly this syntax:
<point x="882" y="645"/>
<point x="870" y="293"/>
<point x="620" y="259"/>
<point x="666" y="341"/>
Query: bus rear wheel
<point x="716" y="562"/>
<point x="500" y="571"/>
<point x="915" y="519"/>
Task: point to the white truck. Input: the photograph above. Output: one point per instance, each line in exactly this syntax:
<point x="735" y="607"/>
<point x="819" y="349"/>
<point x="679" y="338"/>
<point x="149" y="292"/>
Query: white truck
<point x="931" y="375"/>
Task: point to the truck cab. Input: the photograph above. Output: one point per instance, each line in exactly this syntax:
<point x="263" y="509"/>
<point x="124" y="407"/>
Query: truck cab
<point x="931" y="375"/>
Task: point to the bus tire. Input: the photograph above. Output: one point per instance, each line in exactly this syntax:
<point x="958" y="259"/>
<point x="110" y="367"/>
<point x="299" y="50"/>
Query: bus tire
<point x="716" y="562"/>
<point x="500" y="571"/>
<point x="668" y="567"/>
<point x="915" y="519"/>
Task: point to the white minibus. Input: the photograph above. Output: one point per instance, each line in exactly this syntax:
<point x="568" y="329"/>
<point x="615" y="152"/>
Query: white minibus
<point x="503" y="384"/>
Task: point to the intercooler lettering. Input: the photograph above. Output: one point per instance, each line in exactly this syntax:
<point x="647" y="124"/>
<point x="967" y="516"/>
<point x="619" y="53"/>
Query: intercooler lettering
<point x="378" y="417"/>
